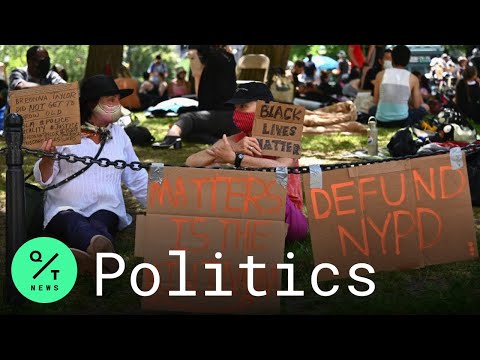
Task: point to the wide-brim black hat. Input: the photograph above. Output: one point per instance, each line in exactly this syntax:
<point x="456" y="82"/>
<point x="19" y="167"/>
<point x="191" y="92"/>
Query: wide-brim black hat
<point x="101" y="85"/>
<point x="251" y="91"/>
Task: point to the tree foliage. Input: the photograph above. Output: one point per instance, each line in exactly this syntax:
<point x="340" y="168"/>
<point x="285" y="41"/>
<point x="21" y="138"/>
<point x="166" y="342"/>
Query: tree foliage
<point x="74" y="57"/>
<point x="140" y="56"/>
<point x="298" y="52"/>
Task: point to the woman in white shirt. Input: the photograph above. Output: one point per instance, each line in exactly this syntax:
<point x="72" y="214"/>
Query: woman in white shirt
<point x="87" y="211"/>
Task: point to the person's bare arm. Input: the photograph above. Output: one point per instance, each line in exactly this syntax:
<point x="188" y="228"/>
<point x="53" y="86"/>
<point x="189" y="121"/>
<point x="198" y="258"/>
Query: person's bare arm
<point x="376" y="87"/>
<point x="224" y="153"/>
<point x="25" y="85"/>
<point x="206" y="157"/>
<point x="162" y="88"/>
<point x="170" y="89"/>
<point x="46" y="165"/>
<point x="351" y="56"/>
<point x="250" y="161"/>
<point x="416" y="96"/>
<point x="247" y="145"/>
<point x="370" y="54"/>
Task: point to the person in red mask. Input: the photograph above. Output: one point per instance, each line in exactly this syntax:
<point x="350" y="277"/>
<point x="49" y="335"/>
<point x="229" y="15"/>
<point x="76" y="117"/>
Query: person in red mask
<point x="244" y="150"/>
<point x="87" y="211"/>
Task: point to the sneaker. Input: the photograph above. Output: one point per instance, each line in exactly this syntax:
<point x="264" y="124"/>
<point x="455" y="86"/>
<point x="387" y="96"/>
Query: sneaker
<point x="102" y="244"/>
<point x="85" y="263"/>
<point x="169" y="142"/>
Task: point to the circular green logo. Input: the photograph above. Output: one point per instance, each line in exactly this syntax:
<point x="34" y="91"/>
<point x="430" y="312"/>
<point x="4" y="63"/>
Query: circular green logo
<point x="44" y="270"/>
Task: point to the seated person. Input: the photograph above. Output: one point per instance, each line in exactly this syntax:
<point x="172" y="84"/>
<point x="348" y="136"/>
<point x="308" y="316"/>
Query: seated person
<point x="467" y="94"/>
<point x="218" y="82"/>
<point x="227" y="150"/>
<point x="36" y="73"/>
<point x="179" y="86"/>
<point x="298" y="77"/>
<point x="147" y="86"/>
<point x="162" y="87"/>
<point x="424" y="83"/>
<point x="384" y="62"/>
<point x="398" y="98"/>
<point x="124" y="80"/>
<point x="350" y="89"/>
<point x="148" y="92"/>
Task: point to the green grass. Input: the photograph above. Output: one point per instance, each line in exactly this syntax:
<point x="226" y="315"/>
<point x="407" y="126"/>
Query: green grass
<point x="441" y="289"/>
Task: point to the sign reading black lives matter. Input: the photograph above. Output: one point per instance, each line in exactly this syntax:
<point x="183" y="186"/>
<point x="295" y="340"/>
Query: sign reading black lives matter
<point x="278" y="128"/>
<point x="49" y="112"/>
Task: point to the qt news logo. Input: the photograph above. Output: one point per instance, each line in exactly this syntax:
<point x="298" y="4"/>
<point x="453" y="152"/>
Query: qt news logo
<point x="44" y="270"/>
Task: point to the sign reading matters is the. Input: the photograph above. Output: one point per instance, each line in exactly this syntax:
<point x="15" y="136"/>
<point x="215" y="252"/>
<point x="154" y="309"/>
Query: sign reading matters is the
<point x="205" y="211"/>
<point x="278" y="128"/>
<point x="49" y="112"/>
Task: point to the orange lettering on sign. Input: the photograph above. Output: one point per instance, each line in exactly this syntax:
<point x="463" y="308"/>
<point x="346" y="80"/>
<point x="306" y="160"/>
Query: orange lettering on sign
<point x="460" y="187"/>
<point x="275" y="197"/>
<point x="246" y="234"/>
<point x="231" y="194"/>
<point x="239" y="233"/>
<point x="363" y="193"/>
<point x="199" y="183"/>
<point x="382" y="233"/>
<point x="337" y="198"/>
<point x="403" y="193"/>
<point x="213" y="190"/>
<point x="345" y="234"/>
<point x="193" y="234"/>
<point x="421" y="236"/>
<point x="257" y="235"/>
<point x="249" y="198"/>
<point x="157" y="193"/>
<point x="398" y="234"/>
<point x="418" y="180"/>
<point x="326" y="213"/>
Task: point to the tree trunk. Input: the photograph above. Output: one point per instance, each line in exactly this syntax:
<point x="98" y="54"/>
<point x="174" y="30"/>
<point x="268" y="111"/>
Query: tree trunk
<point x="104" y="59"/>
<point x="278" y="55"/>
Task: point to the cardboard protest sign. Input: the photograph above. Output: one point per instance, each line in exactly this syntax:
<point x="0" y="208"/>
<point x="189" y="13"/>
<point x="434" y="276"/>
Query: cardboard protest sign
<point x="396" y="215"/>
<point x="278" y="128"/>
<point x="49" y="112"/>
<point x="205" y="211"/>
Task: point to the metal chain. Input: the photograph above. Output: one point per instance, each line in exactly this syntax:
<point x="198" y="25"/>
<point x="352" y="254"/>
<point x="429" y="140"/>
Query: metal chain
<point x="137" y="165"/>
<point x="102" y="162"/>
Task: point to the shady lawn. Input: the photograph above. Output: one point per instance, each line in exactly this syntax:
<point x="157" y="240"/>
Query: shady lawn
<point x="441" y="289"/>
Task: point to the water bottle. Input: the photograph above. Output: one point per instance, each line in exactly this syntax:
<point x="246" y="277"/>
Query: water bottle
<point x="372" y="136"/>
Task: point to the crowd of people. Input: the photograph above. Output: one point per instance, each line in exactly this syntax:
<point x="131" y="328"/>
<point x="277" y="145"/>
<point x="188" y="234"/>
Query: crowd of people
<point x="88" y="211"/>
<point x="382" y="71"/>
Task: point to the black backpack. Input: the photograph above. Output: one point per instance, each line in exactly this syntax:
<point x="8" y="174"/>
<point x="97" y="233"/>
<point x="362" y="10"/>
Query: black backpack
<point x="402" y="143"/>
<point x="139" y="135"/>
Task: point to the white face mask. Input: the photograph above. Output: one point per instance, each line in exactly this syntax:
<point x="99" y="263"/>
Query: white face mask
<point x="107" y="114"/>
<point x="387" y="64"/>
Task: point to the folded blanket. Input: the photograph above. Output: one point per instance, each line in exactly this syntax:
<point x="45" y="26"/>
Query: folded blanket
<point x="337" y="118"/>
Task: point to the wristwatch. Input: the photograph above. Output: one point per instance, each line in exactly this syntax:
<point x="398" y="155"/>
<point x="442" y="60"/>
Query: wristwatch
<point x="238" y="159"/>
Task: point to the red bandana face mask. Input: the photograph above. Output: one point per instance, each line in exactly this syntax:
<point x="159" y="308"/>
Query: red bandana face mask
<point x="243" y="120"/>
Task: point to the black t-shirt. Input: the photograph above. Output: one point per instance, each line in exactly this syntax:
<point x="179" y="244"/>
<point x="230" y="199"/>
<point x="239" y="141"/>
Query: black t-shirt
<point x="310" y="69"/>
<point x="468" y="99"/>
<point x="218" y="81"/>
<point x="343" y="66"/>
